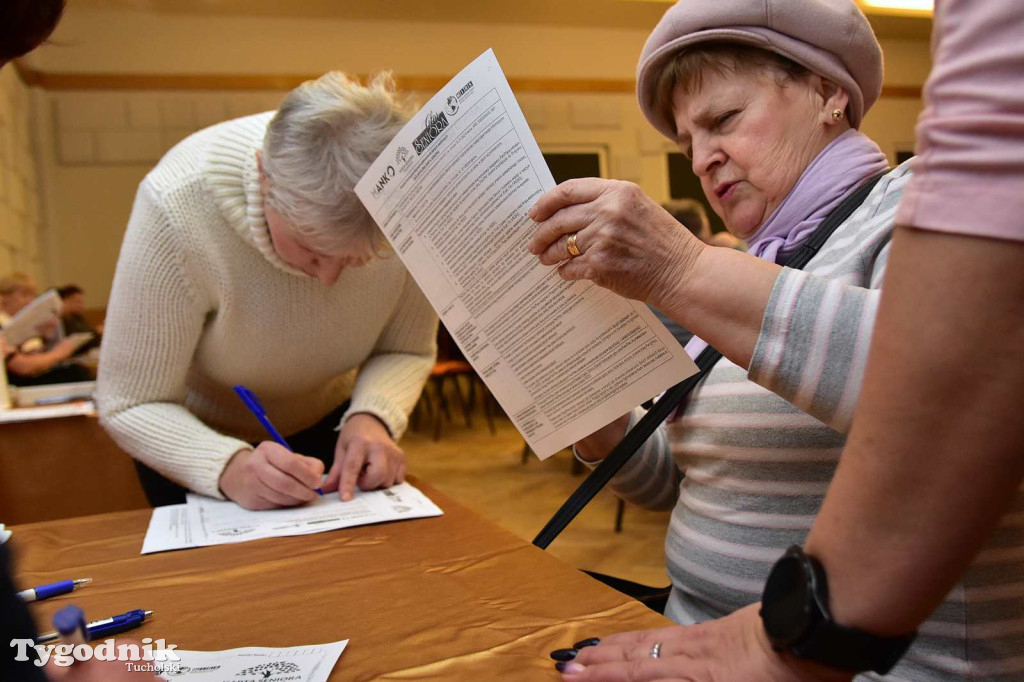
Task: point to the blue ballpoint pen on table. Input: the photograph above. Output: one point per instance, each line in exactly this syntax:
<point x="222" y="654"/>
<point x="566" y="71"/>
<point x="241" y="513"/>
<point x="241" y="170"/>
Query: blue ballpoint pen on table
<point x="52" y="590"/>
<point x="97" y="629"/>
<point x="256" y="407"/>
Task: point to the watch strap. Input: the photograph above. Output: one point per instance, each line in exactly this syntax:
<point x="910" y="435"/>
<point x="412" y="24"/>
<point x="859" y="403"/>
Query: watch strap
<point x="846" y="648"/>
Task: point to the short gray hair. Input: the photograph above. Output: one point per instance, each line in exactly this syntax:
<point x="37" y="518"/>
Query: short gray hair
<point x="320" y="142"/>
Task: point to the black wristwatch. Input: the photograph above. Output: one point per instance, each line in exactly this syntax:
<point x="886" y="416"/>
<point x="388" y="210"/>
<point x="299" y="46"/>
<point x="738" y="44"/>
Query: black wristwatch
<point x="796" y="616"/>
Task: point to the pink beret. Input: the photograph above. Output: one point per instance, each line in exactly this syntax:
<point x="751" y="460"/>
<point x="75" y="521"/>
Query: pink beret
<point x="832" y="38"/>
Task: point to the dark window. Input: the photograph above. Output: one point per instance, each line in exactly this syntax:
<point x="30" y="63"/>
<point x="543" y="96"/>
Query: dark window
<point x="683" y="184"/>
<point x="903" y="154"/>
<point x="565" y="166"/>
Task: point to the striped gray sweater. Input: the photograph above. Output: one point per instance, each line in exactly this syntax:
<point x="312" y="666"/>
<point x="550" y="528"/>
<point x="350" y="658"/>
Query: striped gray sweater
<point x="759" y="449"/>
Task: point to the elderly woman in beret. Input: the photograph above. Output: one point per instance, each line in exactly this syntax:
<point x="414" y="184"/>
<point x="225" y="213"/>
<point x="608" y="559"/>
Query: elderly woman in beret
<point x="249" y="260"/>
<point x="766" y="99"/>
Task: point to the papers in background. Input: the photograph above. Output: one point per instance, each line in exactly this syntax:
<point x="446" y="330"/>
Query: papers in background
<point x="203" y="521"/>
<point x="296" y="664"/>
<point x="52" y="394"/>
<point x="80" y="338"/>
<point x="25" y="325"/>
<point x="29" y="414"/>
<point x="452" y="193"/>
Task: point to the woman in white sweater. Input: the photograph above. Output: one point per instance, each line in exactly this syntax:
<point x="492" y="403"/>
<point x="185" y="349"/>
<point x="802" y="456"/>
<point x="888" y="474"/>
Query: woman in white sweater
<point x="248" y="259"/>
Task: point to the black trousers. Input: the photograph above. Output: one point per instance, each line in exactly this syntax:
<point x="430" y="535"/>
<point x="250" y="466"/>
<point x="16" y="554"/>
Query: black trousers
<point x="316" y="441"/>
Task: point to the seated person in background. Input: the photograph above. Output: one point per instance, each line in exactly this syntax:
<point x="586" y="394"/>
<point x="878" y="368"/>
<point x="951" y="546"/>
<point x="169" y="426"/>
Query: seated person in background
<point x="73" y="316"/>
<point x="248" y="259"/>
<point x="39" y="360"/>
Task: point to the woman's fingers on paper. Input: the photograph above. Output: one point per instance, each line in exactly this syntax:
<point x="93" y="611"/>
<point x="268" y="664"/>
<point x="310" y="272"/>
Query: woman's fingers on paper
<point x="377" y="472"/>
<point x="351" y="467"/>
<point x="333" y="479"/>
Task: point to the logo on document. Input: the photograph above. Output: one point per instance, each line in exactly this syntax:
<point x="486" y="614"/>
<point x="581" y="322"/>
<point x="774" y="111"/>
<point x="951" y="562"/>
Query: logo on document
<point x="183" y="670"/>
<point x="401" y="155"/>
<point x="383" y="180"/>
<point x="452" y="105"/>
<point x="464" y="92"/>
<point x="266" y="670"/>
<point x="435" y="124"/>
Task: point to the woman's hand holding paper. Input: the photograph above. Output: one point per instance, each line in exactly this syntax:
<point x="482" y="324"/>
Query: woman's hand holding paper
<point x="627" y="243"/>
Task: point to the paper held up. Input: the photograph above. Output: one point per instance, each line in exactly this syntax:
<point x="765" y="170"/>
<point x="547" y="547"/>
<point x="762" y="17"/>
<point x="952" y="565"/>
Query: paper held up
<point x="452" y="193"/>
<point x="43" y="310"/>
<point x="203" y="521"/>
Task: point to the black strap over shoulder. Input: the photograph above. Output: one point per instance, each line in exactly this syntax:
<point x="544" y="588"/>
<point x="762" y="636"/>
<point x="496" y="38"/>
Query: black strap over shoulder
<point x="660" y="411"/>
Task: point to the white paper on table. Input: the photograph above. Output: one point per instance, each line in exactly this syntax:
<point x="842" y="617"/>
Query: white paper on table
<point x="29" y="414"/>
<point x="452" y="193"/>
<point x="203" y="521"/>
<point x="296" y="664"/>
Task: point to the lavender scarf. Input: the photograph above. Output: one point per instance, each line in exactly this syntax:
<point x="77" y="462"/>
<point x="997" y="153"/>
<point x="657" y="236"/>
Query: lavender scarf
<point x="837" y="170"/>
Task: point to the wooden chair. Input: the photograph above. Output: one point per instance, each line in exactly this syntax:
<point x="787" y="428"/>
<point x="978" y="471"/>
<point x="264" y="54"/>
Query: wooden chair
<point x="450" y="365"/>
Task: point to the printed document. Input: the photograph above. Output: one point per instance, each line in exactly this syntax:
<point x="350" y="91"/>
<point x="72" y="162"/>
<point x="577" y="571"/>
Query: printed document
<point x="452" y="193"/>
<point x="204" y="521"/>
<point x="299" y="663"/>
<point x="26" y="324"/>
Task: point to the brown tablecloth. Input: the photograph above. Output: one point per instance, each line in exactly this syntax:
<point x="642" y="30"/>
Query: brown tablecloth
<point x="449" y="598"/>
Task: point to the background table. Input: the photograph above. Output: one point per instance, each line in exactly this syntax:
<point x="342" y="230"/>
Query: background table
<point x="61" y="467"/>
<point x="451" y="598"/>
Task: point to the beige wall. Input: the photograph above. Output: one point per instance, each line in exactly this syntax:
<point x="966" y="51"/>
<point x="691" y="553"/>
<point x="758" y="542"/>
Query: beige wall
<point x="19" y="195"/>
<point x="94" y="147"/>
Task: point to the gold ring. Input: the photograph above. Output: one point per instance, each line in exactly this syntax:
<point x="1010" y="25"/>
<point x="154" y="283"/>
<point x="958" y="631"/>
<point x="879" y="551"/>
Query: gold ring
<point x="570" y="246"/>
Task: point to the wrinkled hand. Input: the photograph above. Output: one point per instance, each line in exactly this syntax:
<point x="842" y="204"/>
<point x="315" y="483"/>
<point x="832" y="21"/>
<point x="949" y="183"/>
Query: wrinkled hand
<point x="271" y="476"/>
<point x="365" y="456"/>
<point x="731" y="649"/>
<point x="629" y="244"/>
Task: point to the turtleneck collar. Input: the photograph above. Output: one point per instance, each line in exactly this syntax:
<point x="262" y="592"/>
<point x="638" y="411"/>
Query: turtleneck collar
<point x="233" y="178"/>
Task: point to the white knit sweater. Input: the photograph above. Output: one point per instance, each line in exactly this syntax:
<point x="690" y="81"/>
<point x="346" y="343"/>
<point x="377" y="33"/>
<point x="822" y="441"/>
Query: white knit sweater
<point x="202" y="302"/>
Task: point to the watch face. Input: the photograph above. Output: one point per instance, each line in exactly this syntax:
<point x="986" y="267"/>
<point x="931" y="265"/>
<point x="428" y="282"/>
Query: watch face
<point x="786" y="602"/>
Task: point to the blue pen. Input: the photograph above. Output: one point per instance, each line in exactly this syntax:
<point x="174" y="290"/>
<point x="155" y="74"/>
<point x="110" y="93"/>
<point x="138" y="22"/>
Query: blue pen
<point x="69" y="622"/>
<point x="52" y="590"/>
<point x="256" y="407"/>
